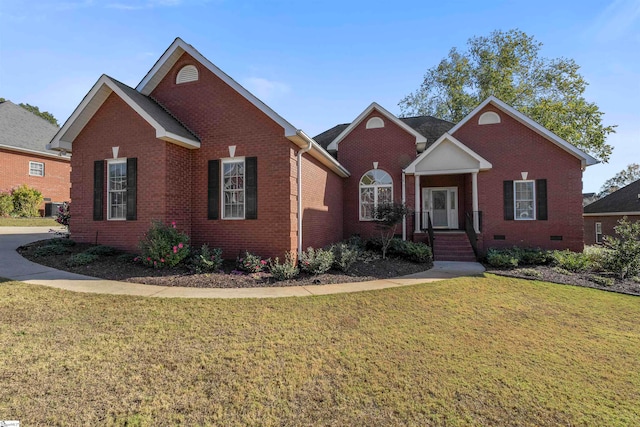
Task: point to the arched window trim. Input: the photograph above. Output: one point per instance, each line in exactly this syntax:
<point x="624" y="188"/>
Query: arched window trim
<point x="489" y="118"/>
<point x="377" y="193"/>
<point x="375" y="123"/>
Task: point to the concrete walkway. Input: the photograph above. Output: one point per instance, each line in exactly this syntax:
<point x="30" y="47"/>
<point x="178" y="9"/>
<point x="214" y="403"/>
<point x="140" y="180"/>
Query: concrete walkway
<point x="15" y="267"/>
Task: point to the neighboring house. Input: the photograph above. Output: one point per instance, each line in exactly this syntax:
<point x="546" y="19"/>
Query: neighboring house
<point x="24" y="158"/>
<point x="602" y="215"/>
<point x="588" y="198"/>
<point x="190" y="145"/>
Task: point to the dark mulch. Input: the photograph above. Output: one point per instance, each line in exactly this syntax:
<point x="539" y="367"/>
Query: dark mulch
<point x="116" y="267"/>
<point x="586" y="279"/>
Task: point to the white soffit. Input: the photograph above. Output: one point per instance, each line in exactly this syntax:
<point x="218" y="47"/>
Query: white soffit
<point x="448" y="154"/>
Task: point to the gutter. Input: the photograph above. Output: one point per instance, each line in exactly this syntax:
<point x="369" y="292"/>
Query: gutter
<point x="300" y="153"/>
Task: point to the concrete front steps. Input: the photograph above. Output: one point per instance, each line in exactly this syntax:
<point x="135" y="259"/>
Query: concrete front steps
<point x="452" y="246"/>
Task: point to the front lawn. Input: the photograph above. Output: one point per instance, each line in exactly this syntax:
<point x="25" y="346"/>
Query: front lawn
<point x="468" y="351"/>
<point x="28" y="222"/>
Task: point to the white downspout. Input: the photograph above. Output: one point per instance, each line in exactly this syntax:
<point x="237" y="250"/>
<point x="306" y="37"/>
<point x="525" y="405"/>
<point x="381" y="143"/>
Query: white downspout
<point x="300" y="153"/>
<point x="404" y="203"/>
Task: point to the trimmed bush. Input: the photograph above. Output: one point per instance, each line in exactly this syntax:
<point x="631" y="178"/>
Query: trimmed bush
<point x="285" y="271"/>
<point x="50" y="250"/>
<point x="501" y="258"/>
<point x="316" y="261"/>
<point x="163" y="246"/>
<point x="344" y="256"/>
<point x="532" y="256"/>
<point x="572" y="261"/>
<point x="604" y="281"/>
<point x="597" y="257"/>
<point x="561" y="270"/>
<point x="530" y="272"/>
<point x="207" y="260"/>
<point x="6" y="204"/>
<point x="418" y="252"/>
<point x="26" y="201"/>
<point x="62" y="241"/>
<point x="250" y="263"/>
<point x="82" y="258"/>
<point x="102" y="250"/>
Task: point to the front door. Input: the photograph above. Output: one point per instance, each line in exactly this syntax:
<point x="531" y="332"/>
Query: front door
<point x="442" y="204"/>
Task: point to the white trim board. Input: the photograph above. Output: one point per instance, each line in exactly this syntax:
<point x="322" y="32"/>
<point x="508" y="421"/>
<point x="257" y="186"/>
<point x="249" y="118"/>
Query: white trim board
<point x="612" y="214"/>
<point x="482" y="163"/>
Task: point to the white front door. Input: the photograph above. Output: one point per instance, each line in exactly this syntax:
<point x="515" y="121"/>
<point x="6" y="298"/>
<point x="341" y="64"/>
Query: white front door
<point x="442" y="204"/>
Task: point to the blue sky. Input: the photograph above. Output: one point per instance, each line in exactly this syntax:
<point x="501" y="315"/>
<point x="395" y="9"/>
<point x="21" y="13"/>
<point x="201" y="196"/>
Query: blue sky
<point x="317" y="63"/>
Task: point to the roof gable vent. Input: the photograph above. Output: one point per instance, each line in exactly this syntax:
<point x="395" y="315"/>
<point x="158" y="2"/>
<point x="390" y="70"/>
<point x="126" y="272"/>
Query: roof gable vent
<point x="188" y="73"/>
<point x="375" y="123"/>
<point x="489" y="118"/>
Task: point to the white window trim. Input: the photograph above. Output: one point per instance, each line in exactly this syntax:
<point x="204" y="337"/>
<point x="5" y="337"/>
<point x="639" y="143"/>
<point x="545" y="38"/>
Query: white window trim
<point x="244" y="189"/>
<point x="109" y="163"/>
<point x="515" y="200"/>
<point x="598" y="232"/>
<point x="36" y="163"/>
<point x="375" y="194"/>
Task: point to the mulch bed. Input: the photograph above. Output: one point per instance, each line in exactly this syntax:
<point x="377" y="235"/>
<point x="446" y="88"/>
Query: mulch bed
<point x="627" y="286"/>
<point x="116" y="268"/>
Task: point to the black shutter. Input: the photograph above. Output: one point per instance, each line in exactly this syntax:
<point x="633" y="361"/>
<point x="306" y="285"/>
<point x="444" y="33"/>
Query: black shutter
<point x="251" y="187"/>
<point x="213" y="189"/>
<point x="541" y="199"/>
<point x="132" y="190"/>
<point x="98" y="190"/>
<point x="508" y="200"/>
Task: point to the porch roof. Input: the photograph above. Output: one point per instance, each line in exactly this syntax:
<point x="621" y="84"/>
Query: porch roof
<point x="447" y="156"/>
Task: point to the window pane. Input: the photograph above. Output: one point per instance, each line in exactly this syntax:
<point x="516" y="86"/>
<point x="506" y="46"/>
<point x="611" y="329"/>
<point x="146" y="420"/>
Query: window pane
<point x="375" y="189"/>
<point x="524" y="205"/>
<point x="117" y="187"/>
<point x="233" y="189"/>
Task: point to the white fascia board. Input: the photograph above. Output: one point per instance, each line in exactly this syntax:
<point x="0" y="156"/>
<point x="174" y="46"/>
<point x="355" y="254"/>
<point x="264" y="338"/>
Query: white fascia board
<point x="35" y="152"/>
<point x="446" y="172"/>
<point x="482" y="162"/>
<point x="178" y="140"/>
<point x="375" y="106"/>
<point x="585" y="159"/>
<point x="173" y="53"/>
<point x="612" y="214"/>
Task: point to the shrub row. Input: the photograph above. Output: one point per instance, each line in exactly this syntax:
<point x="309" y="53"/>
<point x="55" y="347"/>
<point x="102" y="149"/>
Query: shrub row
<point x="22" y="201"/>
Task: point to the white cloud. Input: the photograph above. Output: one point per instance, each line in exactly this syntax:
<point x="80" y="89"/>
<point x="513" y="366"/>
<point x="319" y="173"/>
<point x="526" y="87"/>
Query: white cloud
<point x="617" y="19"/>
<point x="266" y="89"/>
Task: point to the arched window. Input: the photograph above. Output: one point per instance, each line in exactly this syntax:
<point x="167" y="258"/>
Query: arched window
<point x="188" y="73"/>
<point x="376" y="188"/>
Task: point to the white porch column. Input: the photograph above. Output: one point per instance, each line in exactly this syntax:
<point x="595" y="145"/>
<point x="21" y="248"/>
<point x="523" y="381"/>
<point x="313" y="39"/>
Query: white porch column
<point x="417" y="206"/>
<point x="404" y="202"/>
<point x="474" y="190"/>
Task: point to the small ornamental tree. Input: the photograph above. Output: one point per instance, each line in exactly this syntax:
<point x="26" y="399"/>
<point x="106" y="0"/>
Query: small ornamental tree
<point x="387" y="216"/>
<point x="624" y="258"/>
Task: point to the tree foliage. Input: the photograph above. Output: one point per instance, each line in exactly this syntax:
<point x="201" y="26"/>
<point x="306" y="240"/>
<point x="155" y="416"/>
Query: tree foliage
<point x="621" y="179"/>
<point x="508" y="65"/>
<point x="387" y="216"/>
<point x="35" y="110"/>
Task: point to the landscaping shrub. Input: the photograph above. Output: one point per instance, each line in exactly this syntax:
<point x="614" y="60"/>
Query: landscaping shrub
<point x="50" y="250"/>
<point x="26" y="201"/>
<point x="501" y="258"/>
<point x="316" y="261"/>
<point x="285" y="271"/>
<point x="597" y="257"/>
<point x="624" y="256"/>
<point x="572" y="261"/>
<point x="532" y="256"/>
<point x="102" y="250"/>
<point x="126" y="257"/>
<point x="6" y="204"/>
<point x="61" y="241"/>
<point x="163" y="246"/>
<point x="561" y="270"/>
<point x="63" y="216"/>
<point x="604" y="281"/>
<point x="82" y="258"/>
<point x="344" y="255"/>
<point x="250" y="263"/>
<point x="207" y="260"/>
<point x="530" y="272"/>
<point x="418" y="252"/>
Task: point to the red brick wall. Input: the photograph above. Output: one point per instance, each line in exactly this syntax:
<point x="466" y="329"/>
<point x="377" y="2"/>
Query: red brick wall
<point x="116" y="124"/>
<point x="221" y="118"/>
<point x="393" y="148"/>
<point x="322" y="204"/>
<point x="513" y="148"/>
<point x="608" y="222"/>
<point x="14" y="171"/>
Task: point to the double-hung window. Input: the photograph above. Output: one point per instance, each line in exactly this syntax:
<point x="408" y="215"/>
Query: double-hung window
<point x="524" y="200"/>
<point x="233" y="187"/>
<point x="376" y="188"/>
<point x="36" y="168"/>
<point x="117" y="189"/>
<point x="598" y="232"/>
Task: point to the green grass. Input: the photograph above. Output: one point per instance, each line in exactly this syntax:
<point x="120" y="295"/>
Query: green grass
<point x="469" y="351"/>
<point x="28" y="222"/>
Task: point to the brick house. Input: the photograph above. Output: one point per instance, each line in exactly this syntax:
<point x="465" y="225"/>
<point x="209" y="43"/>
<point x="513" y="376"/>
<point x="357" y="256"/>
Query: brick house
<point x="191" y="145"/>
<point x="602" y="215"/>
<point x="24" y="158"/>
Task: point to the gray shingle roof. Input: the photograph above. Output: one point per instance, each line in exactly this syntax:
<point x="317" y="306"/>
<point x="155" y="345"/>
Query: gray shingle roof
<point x="22" y="129"/>
<point x="155" y="110"/>
<point x="624" y="200"/>
<point x="429" y="127"/>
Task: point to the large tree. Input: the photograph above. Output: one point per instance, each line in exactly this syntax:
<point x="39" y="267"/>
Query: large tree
<point x="35" y="110"/>
<point x="508" y="65"/>
<point x="625" y="177"/>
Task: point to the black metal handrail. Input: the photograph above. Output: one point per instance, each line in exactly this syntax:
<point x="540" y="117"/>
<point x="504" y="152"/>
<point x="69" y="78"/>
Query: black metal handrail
<point x="471" y="230"/>
<point x="429" y="230"/>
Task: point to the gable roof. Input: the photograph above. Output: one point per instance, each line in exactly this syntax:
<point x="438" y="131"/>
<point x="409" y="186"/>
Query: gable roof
<point x="585" y="159"/>
<point x="374" y="106"/>
<point x="21" y="130"/>
<point x="463" y="151"/>
<point x="167" y="127"/>
<point x="625" y="200"/>
<point x="430" y="127"/>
